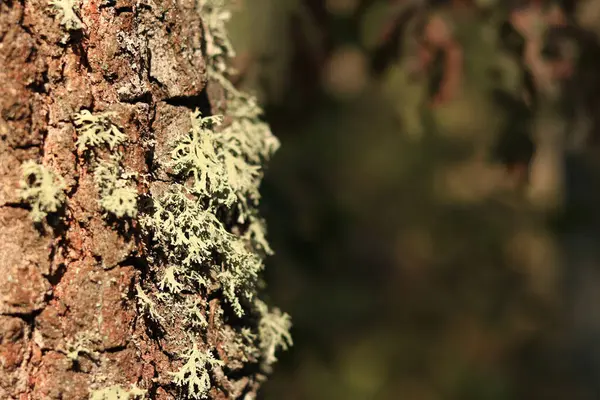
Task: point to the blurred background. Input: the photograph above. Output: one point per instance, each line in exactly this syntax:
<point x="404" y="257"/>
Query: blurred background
<point x="433" y="206"/>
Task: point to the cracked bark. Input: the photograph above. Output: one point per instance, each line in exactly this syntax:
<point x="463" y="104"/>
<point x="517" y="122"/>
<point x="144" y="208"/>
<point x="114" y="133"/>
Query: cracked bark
<point x="71" y="282"/>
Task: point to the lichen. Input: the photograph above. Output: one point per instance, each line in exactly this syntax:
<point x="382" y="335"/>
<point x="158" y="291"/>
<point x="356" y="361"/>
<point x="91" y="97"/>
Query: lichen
<point x="193" y="375"/>
<point x="66" y="12"/>
<point x="190" y="235"/>
<point x="147" y="304"/>
<point x="42" y="189"/>
<point x="273" y="331"/>
<point x="218" y="45"/>
<point x="207" y="235"/>
<point x="117" y="196"/>
<point x="117" y="392"/>
<point x="96" y="130"/>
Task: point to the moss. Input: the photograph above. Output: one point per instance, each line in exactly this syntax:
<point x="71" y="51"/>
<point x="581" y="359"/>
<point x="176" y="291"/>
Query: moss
<point x="42" y="189"/>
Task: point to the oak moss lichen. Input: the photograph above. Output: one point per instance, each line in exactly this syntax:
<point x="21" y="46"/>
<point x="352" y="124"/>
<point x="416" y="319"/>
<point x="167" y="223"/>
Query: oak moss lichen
<point x="117" y="195"/>
<point x="206" y="231"/>
<point x="42" y="189"/>
<point x="194" y="373"/>
<point x="117" y="392"/>
<point x="65" y="10"/>
<point x="202" y="230"/>
<point x="95" y="132"/>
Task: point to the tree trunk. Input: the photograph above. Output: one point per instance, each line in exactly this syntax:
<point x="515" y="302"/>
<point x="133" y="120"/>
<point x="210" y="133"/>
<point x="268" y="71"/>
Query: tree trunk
<point x="99" y="297"/>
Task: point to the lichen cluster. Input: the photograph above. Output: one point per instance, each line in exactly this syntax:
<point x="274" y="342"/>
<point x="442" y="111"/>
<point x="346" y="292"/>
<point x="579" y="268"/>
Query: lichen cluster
<point x="66" y="12"/>
<point x="205" y="233"/>
<point x="42" y="189"/>
<point x="117" y="195"/>
<point x="205" y="224"/>
<point x="194" y="373"/>
<point x="117" y="393"/>
<point x="95" y="132"/>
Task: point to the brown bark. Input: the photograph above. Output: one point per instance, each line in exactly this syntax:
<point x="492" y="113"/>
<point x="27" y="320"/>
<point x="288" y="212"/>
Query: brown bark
<point x="69" y="320"/>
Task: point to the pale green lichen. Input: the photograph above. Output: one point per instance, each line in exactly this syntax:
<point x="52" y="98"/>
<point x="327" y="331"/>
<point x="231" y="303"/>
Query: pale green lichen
<point x="225" y="165"/>
<point x="191" y="235"/>
<point x="117" y="392"/>
<point x="147" y="304"/>
<point x="205" y="225"/>
<point x="80" y="344"/>
<point x="256" y="235"/>
<point x="218" y="45"/>
<point x="273" y="331"/>
<point x="169" y="280"/>
<point x="42" y="189"/>
<point x="193" y="375"/>
<point x="66" y="12"/>
<point x="96" y="130"/>
<point x="117" y="196"/>
<point x="195" y="317"/>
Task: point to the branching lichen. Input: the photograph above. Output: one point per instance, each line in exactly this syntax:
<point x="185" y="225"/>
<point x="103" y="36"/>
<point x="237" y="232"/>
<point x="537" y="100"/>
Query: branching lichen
<point x="256" y="235"/>
<point x="273" y="331"/>
<point x="195" y="316"/>
<point x="191" y="235"/>
<point x="116" y="194"/>
<point x="147" y="304"/>
<point x="42" y="189"/>
<point x="218" y="44"/>
<point x="225" y="165"/>
<point x="169" y="281"/>
<point x="205" y="226"/>
<point x="66" y="12"/>
<point x="96" y="130"/>
<point x="117" y="392"/>
<point x="193" y="375"/>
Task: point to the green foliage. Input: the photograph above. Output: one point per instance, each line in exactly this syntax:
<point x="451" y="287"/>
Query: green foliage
<point x="273" y="331"/>
<point x="96" y="130"/>
<point x="116" y="194"/>
<point x="66" y="13"/>
<point x="194" y="373"/>
<point x="42" y="189"/>
<point x="117" y="392"/>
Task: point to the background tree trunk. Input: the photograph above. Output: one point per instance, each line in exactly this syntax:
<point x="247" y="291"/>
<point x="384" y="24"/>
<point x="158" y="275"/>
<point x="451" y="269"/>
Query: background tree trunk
<point x="70" y="323"/>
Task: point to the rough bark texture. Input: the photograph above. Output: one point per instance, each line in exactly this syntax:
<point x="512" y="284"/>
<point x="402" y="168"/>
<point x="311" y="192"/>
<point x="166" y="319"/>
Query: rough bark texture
<point x="69" y="319"/>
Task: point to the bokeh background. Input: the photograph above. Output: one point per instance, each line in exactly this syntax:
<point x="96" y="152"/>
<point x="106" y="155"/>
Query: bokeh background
<point x="433" y="206"/>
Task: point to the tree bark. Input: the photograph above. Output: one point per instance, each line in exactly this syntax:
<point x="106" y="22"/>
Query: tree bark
<point x="71" y="324"/>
